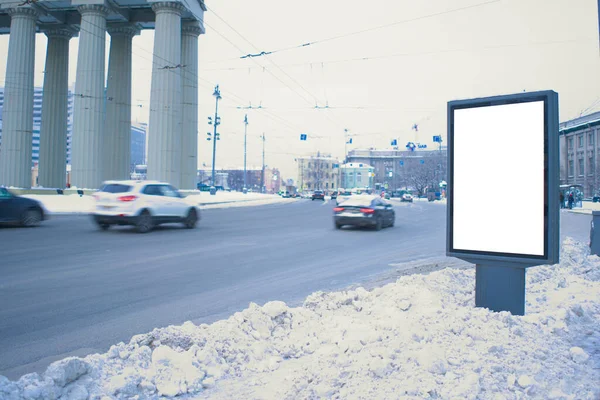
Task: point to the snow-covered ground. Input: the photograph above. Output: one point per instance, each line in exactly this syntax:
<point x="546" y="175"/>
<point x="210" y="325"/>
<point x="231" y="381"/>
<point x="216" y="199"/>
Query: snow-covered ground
<point x="419" y="337"/>
<point x="75" y="204"/>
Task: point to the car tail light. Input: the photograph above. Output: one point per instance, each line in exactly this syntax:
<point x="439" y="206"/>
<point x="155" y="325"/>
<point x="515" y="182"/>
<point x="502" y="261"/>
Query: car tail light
<point x="338" y="209"/>
<point x="367" y="211"/>
<point x="127" y="198"/>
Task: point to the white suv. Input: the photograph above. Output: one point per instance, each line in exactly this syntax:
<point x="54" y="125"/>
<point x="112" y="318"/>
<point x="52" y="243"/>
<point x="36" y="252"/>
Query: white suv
<point x="143" y="204"/>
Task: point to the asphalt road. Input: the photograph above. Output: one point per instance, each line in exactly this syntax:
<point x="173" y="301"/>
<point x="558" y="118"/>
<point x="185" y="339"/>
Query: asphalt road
<point x="67" y="288"/>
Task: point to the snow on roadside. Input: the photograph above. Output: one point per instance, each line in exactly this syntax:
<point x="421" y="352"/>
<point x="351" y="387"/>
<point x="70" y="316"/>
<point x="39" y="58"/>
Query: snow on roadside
<point x="420" y="337"/>
<point x="75" y="204"/>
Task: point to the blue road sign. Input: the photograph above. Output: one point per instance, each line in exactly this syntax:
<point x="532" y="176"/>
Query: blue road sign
<point x="303" y="136"/>
<point x="401" y="162"/>
<point x="422" y="161"/>
<point x="394" y="142"/>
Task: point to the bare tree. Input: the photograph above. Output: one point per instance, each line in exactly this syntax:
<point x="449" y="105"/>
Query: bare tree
<point x="425" y="172"/>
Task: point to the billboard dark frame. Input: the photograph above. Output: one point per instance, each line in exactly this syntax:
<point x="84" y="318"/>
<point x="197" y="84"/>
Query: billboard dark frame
<point x="551" y="181"/>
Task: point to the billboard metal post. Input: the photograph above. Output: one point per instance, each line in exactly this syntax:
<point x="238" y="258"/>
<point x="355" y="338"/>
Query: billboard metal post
<point x="503" y="238"/>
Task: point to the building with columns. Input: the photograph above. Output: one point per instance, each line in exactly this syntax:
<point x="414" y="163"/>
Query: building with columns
<point x="100" y="147"/>
<point x="579" y="148"/>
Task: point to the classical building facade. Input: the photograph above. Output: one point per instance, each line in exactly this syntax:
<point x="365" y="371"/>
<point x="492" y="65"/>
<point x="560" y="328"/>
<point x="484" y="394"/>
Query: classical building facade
<point x="318" y="172"/>
<point x="100" y="147"/>
<point x="579" y="150"/>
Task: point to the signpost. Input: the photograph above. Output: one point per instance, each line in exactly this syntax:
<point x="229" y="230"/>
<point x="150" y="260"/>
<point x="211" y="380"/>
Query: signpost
<point x="503" y="238"/>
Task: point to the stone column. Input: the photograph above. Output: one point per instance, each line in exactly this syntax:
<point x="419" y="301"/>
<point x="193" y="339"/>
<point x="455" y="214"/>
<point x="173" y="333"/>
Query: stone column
<point x="15" y="151"/>
<point x="117" y="138"/>
<point x="189" y="138"/>
<point x="164" y="131"/>
<point x="88" y="119"/>
<point x="53" y="130"/>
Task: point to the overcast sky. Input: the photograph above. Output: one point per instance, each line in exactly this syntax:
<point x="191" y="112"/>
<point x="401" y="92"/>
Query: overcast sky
<point x="419" y="55"/>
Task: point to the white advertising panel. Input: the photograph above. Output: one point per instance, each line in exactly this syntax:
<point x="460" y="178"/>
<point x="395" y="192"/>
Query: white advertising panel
<point x="498" y="195"/>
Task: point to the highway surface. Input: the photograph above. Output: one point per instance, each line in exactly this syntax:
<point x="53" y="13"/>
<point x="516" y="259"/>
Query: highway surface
<point x="67" y="288"/>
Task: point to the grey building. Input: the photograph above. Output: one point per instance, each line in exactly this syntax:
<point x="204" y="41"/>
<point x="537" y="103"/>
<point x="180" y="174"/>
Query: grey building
<point x="579" y="148"/>
<point x="396" y="169"/>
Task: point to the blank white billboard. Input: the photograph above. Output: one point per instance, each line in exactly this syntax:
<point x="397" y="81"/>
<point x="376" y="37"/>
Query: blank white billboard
<point x="498" y="179"/>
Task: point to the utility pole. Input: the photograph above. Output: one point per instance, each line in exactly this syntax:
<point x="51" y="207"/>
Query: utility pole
<point x="245" y="130"/>
<point x="262" y="178"/>
<point x="217" y="94"/>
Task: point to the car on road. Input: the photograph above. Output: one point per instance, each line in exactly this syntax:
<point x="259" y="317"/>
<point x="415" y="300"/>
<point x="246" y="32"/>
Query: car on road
<point x="407" y="197"/>
<point x="19" y="210"/>
<point x="364" y="210"/>
<point x="143" y="204"/>
<point x="318" y="195"/>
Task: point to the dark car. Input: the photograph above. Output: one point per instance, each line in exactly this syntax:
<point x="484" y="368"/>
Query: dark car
<point x="364" y="210"/>
<point x="334" y="195"/>
<point x="20" y="210"/>
<point x="318" y="195"/>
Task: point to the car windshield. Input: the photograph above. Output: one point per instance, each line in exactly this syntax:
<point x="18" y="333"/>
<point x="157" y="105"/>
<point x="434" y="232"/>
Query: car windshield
<point x="115" y="188"/>
<point x="358" y="201"/>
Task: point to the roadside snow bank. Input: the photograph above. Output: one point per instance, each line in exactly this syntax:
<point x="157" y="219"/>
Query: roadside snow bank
<point x="419" y="337"/>
<point x="75" y="204"/>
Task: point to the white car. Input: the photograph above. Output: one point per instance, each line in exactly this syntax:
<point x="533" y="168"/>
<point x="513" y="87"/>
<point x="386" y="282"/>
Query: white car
<point x="143" y="204"/>
<point x="407" y="197"/>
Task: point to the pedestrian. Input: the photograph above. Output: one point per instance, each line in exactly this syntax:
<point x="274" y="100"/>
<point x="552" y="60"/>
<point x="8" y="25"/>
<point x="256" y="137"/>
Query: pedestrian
<point x="571" y="200"/>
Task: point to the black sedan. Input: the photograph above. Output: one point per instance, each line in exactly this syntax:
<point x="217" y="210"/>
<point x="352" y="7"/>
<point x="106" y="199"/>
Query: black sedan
<point x="318" y="195"/>
<point x="364" y="210"/>
<point x="20" y="210"/>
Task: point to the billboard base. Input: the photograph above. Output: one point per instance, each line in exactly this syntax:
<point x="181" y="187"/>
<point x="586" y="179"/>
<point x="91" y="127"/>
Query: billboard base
<point x="500" y="288"/>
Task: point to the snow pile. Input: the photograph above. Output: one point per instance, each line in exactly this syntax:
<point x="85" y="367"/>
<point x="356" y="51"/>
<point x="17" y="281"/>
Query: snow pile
<point x="419" y="337"/>
<point x="75" y="204"/>
<point x="59" y="204"/>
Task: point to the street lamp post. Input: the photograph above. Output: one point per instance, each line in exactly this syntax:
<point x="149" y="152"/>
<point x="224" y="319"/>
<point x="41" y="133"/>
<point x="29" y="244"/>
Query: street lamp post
<point x="217" y="94"/>
<point x="245" y="130"/>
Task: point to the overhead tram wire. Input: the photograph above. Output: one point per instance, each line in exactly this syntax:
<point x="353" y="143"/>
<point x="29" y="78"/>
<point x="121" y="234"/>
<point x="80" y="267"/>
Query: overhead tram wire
<point x="411" y="54"/>
<point x="274" y="64"/>
<point x="345" y="35"/>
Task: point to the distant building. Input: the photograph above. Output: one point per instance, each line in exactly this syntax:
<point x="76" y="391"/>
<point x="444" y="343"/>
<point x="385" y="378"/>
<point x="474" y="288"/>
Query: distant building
<point x="318" y="172"/>
<point x="579" y="149"/>
<point x="395" y="168"/>
<point x="37" y="120"/>
<point x="138" y="145"/>
<point x="356" y="175"/>
<point x="233" y="178"/>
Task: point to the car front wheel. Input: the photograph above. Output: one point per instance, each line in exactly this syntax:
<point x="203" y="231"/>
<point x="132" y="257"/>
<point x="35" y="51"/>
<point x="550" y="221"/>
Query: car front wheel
<point x="144" y="222"/>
